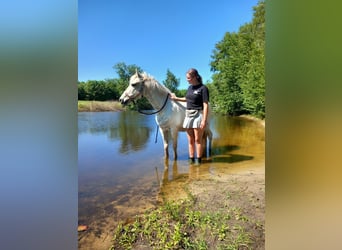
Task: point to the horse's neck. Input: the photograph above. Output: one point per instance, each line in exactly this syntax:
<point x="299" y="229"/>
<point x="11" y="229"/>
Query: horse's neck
<point x="155" y="94"/>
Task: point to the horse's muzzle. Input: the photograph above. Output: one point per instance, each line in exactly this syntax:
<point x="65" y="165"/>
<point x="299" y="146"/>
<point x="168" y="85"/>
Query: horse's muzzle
<point x="124" y="101"/>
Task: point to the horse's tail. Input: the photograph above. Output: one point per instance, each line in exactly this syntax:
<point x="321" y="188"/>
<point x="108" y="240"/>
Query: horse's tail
<point x="208" y="133"/>
<point x="210" y="111"/>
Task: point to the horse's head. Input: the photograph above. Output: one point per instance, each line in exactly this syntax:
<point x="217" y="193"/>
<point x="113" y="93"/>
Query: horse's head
<point x="134" y="90"/>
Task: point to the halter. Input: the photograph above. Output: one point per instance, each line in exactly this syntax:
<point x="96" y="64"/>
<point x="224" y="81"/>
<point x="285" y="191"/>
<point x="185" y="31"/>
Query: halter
<point x="140" y="91"/>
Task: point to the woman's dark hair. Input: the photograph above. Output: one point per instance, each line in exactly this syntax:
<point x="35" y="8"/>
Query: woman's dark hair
<point x="194" y="73"/>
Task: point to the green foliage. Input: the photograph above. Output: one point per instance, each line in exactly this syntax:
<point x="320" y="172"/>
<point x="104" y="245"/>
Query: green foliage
<point x="181" y="226"/>
<point x="97" y="90"/>
<point x="181" y="92"/>
<point x="171" y="82"/>
<point x="81" y="91"/>
<point x="126" y="71"/>
<point x="238" y="64"/>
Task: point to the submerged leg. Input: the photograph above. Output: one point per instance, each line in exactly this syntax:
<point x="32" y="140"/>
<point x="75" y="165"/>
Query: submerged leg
<point x="165" y="135"/>
<point x="191" y="140"/>
<point x="198" y="142"/>
<point x="174" y="143"/>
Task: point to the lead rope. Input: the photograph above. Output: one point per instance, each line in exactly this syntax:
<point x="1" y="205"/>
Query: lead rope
<point x="155" y="112"/>
<point x="155" y="141"/>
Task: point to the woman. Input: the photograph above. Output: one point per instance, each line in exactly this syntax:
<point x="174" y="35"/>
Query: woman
<point x="196" y="115"/>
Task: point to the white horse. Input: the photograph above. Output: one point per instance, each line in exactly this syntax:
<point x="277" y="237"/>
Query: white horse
<point x="170" y="114"/>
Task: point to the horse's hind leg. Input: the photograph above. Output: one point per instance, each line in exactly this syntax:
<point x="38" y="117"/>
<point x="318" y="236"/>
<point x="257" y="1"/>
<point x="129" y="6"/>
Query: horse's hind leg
<point x="174" y="143"/>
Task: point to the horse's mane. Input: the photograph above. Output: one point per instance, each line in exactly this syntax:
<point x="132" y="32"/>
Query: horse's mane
<point x="152" y="80"/>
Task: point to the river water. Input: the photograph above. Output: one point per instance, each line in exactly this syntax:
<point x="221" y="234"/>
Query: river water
<point x="122" y="171"/>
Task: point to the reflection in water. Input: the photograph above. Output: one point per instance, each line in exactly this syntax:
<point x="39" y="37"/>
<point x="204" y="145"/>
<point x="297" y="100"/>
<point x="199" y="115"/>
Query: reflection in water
<point x="237" y="139"/>
<point x="113" y="183"/>
<point x="129" y="128"/>
<point x="122" y="171"/>
<point x="171" y="183"/>
<point x="133" y="137"/>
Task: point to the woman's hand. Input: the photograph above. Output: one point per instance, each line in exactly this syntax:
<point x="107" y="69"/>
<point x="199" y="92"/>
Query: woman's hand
<point x="203" y="124"/>
<point x="205" y="115"/>
<point x="173" y="96"/>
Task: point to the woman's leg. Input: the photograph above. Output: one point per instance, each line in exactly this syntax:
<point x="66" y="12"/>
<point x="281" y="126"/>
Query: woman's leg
<point x="191" y="140"/>
<point x="198" y="141"/>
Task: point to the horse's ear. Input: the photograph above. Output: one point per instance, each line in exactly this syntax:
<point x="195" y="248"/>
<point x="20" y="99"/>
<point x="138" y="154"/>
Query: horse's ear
<point x="136" y="71"/>
<point x="138" y="74"/>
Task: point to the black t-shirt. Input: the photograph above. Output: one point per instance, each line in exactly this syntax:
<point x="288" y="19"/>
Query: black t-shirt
<point x="196" y="95"/>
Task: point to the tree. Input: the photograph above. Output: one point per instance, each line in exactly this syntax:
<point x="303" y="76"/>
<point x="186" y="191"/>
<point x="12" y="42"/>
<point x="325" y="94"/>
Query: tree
<point x="81" y="91"/>
<point x="113" y="92"/>
<point x="171" y="82"/>
<point x="228" y="60"/>
<point x="95" y="90"/>
<point x="125" y="72"/>
<point x="253" y="79"/>
<point x="238" y="64"/>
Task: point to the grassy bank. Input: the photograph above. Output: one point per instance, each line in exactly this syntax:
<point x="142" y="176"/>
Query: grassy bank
<point x="183" y="226"/>
<point x="98" y="106"/>
<point x="216" y="215"/>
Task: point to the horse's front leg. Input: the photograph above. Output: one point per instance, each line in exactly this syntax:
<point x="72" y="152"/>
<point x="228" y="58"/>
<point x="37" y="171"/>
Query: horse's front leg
<point x="165" y="135"/>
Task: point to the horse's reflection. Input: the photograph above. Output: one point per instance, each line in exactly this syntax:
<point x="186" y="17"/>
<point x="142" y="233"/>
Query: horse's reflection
<point x="173" y="180"/>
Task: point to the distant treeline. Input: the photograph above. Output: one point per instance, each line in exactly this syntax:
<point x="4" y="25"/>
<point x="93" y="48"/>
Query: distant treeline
<point x="238" y="65"/>
<point x="111" y="89"/>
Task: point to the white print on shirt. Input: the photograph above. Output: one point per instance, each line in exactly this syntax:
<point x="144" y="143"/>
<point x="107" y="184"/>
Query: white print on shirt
<point x="196" y="92"/>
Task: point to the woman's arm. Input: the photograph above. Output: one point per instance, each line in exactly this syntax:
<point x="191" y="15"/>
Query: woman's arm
<point x="175" y="98"/>
<point x="205" y="115"/>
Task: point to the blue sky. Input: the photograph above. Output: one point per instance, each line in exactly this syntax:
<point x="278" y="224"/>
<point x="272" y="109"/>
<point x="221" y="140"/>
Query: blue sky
<point x="155" y="35"/>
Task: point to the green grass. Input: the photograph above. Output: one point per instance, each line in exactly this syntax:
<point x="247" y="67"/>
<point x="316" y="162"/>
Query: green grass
<point x="182" y="226"/>
<point x="98" y="106"/>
